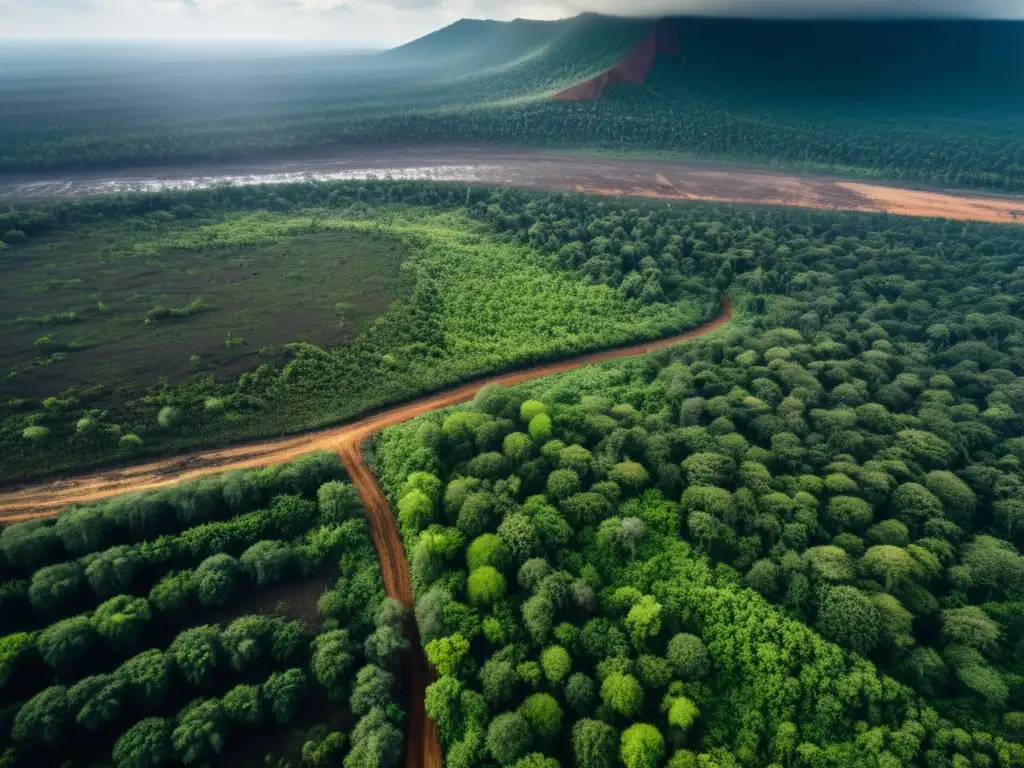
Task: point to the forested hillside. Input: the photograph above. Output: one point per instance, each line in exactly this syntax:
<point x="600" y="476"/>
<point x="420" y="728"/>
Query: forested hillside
<point x="795" y="542"/>
<point x="933" y="102"/>
<point x="235" y="620"/>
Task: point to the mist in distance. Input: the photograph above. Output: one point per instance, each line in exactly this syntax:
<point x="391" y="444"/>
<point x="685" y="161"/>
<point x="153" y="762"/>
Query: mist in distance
<point x="376" y="24"/>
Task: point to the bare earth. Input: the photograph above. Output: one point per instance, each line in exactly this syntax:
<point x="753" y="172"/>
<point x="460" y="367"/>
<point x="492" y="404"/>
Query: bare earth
<point x="543" y="170"/>
<point x="422" y="748"/>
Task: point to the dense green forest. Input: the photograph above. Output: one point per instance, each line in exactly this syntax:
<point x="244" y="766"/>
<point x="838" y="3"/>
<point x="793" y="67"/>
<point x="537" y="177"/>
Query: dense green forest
<point x="354" y="296"/>
<point x="794" y="542"/>
<point x="933" y="102"/>
<point x="223" y="621"/>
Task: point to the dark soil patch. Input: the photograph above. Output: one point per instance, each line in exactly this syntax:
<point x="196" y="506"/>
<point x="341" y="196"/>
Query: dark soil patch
<point x="76" y="306"/>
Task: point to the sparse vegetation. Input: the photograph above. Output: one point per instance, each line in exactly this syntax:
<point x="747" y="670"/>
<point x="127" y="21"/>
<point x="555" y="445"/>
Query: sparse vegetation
<point x="194" y="307"/>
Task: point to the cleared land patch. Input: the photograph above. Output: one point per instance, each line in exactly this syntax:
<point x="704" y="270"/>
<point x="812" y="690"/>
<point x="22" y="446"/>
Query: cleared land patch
<point x="107" y="308"/>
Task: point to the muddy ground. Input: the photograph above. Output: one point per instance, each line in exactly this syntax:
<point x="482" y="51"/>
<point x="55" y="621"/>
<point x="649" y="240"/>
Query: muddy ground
<point x="542" y="170"/>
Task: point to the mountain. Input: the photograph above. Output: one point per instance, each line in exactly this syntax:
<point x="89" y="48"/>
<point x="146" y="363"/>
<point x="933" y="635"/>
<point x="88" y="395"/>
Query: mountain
<point x="938" y="102"/>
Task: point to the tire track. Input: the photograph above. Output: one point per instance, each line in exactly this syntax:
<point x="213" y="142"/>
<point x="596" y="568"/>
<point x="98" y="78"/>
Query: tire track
<point x="422" y="747"/>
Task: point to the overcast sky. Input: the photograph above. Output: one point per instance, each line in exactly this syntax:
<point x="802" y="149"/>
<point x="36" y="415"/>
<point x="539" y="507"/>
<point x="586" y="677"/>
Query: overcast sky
<point x="379" y="23"/>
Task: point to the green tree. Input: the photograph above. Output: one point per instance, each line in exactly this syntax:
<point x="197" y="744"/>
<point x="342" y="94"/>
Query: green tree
<point x="490" y="550"/>
<point x="830" y="564"/>
<point x="268" y="562"/>
<point x="174" y="592"/>
<point x="486" y="586"/>
<point x="333" y="656"/>
<point x="682" y="713"/>
<point x="623" y="694"/>
<point x="688" y="656"/>
<point x="538" y="616"/>
<point x="970" y="626"/>
<point x="373" y="688"/>
<point x="893" y="566"/>
<point x="121" y="621"/>
<point x="44" y="720"/>
<point x="197" y="654"/>
<point x="644" y="620"/>
<point x="113" y="571"/>
<point x="630" y="475"/>
<point x="320" y="751"/>
<point x="146" y="677"/>
<point x="445" y="654"/>
<point x="957" y="499"/>
<point x="544" y="715"/>
<point x="145" y="744"/>
<point x="246" y="640"/>
<point x="217" y="579"/>
<point x="284" y="691"/>
<point x="376" y="742"/>
<point x="198" y="736"/>
<point x="67" y="643"/>
<point x="536" y="760"/>
<point x="530" y="410"/>
<point x="385" y="645"/>
<point x="30" y="545"/>
<point x="415" y="512"/>
<point x="580" y="693"/>
<point x="55" y="589"/>
<point x="915" y="505"/>
<point x="642" y="746"/>
<point x="848" y="617"/>
<point x="520" y="536"/>
<point x="338" y="502"/>
<point x="556" y="663"/>
<point x="540" y="428"/>
<point x="708" y="468"/>
<point x="508" y="737"/>
<point x="243" y="706"/>
<point x="563" y="483"/>
<point x="848" y="513"/>
<point x="594" y="744"/>
<point x="498" y="680"/>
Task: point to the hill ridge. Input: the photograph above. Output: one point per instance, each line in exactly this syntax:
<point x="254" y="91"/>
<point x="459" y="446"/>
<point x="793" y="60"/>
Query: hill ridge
<point x="663" y="38"/>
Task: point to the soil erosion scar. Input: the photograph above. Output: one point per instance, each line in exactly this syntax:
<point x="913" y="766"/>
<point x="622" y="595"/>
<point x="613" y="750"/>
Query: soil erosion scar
<point x="633" y="68"/>
<point x="422" y="747"/>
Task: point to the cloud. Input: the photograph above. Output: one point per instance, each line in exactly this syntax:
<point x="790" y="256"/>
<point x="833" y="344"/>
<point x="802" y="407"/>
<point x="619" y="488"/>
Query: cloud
<point x="378" y="23"/>
<point x="775" y="8"/>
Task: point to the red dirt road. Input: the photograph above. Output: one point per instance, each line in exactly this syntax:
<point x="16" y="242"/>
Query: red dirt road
<point x="540" y="169"/>
<point x="422" y="748"/>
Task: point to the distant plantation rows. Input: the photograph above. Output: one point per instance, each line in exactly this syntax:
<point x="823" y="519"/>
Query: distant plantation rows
<point x="136" y="632"/>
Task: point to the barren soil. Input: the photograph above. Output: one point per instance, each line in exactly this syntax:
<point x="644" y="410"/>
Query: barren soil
<point x="422" y="748"/>
<point x="542" y="170"/>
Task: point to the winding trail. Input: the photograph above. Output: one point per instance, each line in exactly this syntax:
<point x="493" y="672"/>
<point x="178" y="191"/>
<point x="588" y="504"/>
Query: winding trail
<point x="422" y="748"/>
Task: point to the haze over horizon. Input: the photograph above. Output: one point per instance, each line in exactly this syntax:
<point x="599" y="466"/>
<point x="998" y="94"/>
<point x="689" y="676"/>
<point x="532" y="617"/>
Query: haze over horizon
<point x="367" y="24"/>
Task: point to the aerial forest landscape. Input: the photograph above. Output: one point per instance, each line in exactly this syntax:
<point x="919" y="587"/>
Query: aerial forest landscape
<point x="511" y="384"/>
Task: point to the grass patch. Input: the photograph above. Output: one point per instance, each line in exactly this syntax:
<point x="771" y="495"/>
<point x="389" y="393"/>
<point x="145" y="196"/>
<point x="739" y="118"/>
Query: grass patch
<point x="194" y="307"/>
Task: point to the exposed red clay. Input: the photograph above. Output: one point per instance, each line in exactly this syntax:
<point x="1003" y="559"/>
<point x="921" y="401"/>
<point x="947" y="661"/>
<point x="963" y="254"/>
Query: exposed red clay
<point x="634" y="68"/>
